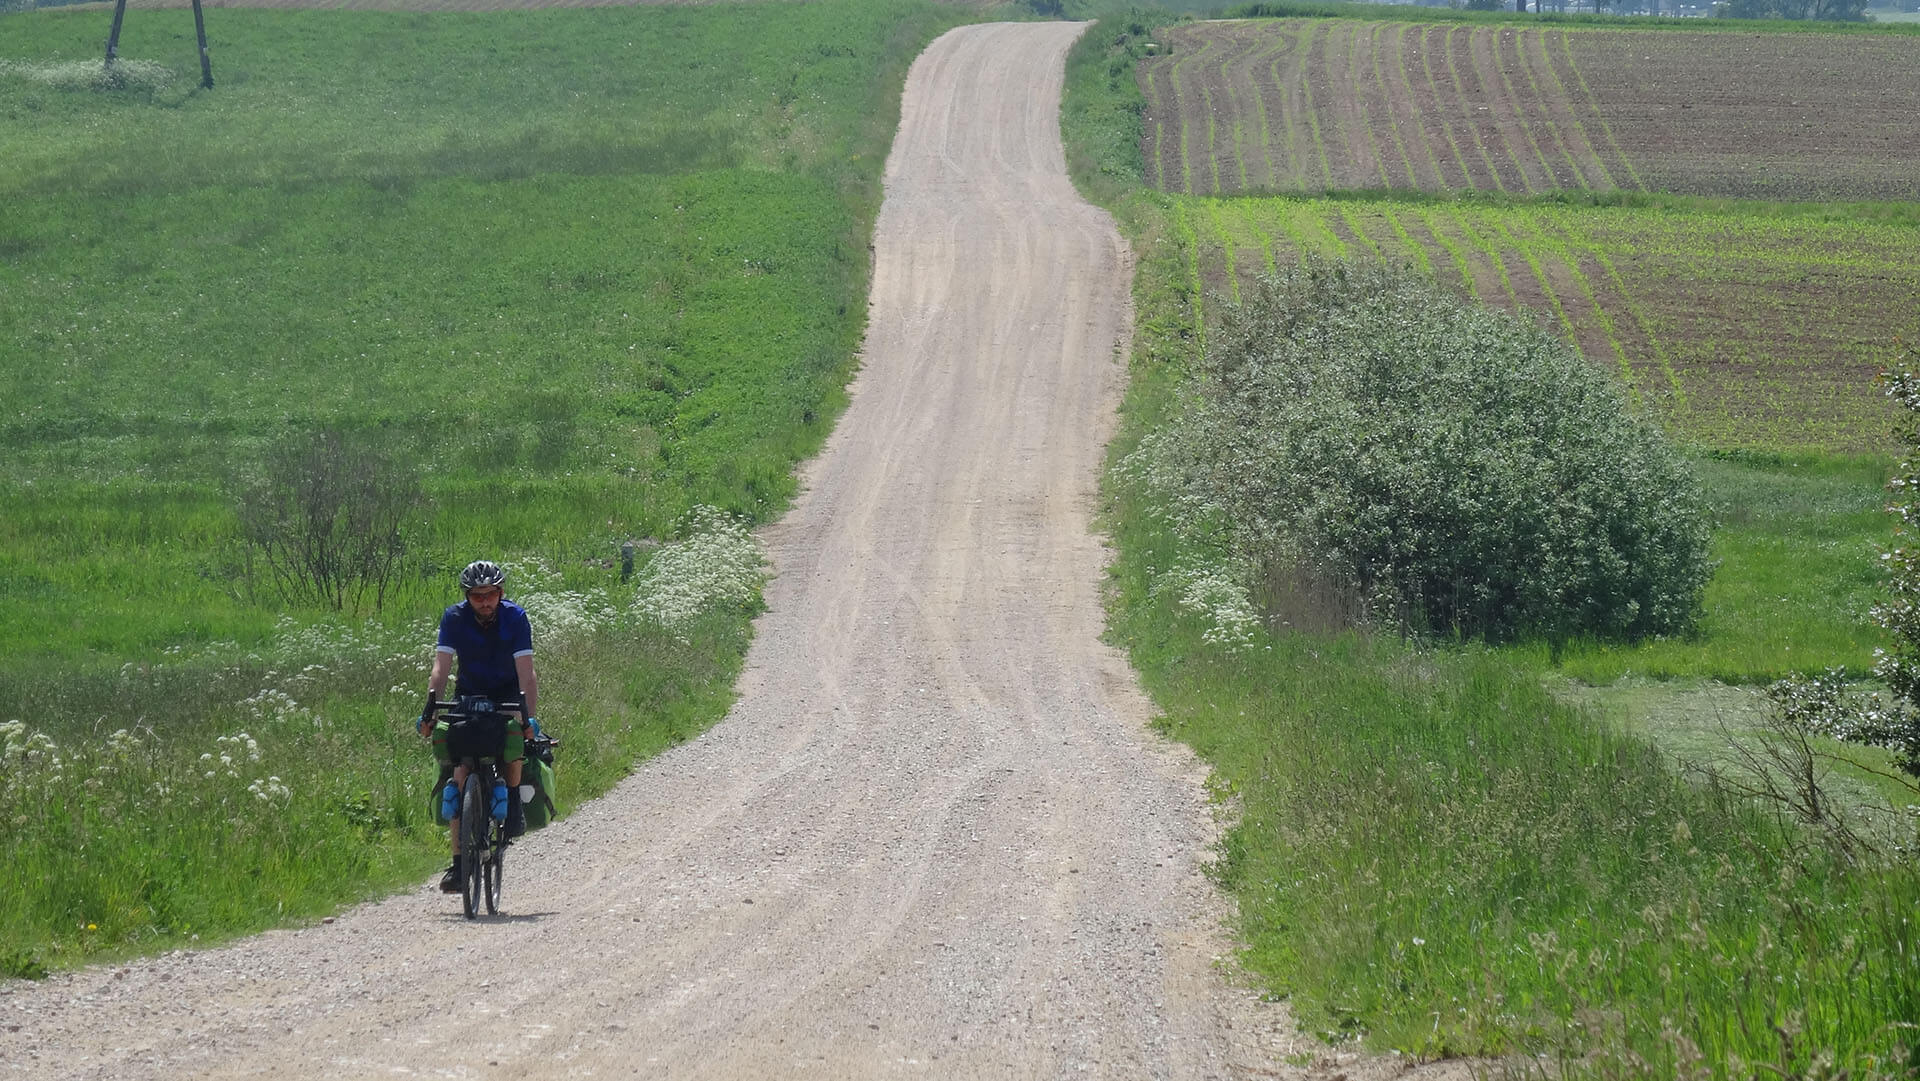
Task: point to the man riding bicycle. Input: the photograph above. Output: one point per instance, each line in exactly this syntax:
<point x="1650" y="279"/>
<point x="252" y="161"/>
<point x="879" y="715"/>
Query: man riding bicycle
<point x="492" y="640"/>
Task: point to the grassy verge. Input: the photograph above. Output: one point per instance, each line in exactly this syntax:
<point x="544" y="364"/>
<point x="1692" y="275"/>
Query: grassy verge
<point x="1437" y="855"/>
<point x="1452" y="850"/>
<point x="586" y="270"/>
<point x="192" y="810"/>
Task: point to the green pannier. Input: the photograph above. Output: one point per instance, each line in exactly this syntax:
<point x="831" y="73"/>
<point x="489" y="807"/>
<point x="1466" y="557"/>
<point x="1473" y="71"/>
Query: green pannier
<point x="541" y="809"/>
<point x="535" y="770"/>
<point x="433" y="794"/>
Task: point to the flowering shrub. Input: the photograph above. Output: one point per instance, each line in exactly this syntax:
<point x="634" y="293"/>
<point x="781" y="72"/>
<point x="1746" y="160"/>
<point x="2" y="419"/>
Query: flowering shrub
<point x="30" y="762"/>
<point x="90" y="74"/>
<point x="717" y="563"/>
<point x="1464" y="472"/>
<point x="557" y="613"/>
<point x="1216" y="595"/>
<point x="1825" y="703"/>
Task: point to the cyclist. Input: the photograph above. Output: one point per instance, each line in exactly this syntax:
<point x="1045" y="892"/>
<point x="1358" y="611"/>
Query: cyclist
<point x="492" y="640"/>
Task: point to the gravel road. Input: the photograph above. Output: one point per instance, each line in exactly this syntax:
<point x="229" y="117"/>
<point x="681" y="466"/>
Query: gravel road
<point x="933" y="838"/>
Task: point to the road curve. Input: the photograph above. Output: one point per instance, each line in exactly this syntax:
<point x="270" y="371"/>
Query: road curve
<point x="933" y="838"/>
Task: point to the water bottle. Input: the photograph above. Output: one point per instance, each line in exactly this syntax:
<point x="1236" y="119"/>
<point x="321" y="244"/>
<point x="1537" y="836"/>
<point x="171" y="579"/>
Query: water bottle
<point x="449" y="802"/>
<point x="499" y="801"/>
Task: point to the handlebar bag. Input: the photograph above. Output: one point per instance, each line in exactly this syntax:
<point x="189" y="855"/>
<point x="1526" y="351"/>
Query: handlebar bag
<point x="482" y="735"/>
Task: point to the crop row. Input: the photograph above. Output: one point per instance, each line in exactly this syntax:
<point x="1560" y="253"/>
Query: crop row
<point x="1737" y="331"/>
<point x="1309" y="105"/>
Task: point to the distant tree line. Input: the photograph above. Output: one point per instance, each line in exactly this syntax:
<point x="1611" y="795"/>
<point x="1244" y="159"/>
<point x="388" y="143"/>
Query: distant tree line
<point x="1837" y="10"/>
<point x="1850" y="10"/>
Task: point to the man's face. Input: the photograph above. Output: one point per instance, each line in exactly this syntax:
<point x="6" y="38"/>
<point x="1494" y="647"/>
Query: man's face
<point x="485" y="601"/>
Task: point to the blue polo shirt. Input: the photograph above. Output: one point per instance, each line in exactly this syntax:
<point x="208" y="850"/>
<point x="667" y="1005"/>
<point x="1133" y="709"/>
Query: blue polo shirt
<point x="486" y="654"/>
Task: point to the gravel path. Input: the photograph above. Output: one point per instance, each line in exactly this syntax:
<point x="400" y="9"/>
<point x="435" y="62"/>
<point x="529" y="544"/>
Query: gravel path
<point x="933" y="838"/>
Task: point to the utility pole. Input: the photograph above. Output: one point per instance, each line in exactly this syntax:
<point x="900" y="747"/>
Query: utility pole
<point x="200" y="28"/>
<point x="113" y="36"/>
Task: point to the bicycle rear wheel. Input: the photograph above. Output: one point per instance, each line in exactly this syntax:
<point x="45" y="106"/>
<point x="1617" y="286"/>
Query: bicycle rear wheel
<point x="474" y="821"/>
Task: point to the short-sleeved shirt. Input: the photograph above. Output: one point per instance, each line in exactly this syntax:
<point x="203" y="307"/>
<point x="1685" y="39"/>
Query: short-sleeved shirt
<point x="486" y="655"/>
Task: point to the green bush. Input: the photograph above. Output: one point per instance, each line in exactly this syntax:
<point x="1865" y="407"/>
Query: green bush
<point x="1450" y="468"/>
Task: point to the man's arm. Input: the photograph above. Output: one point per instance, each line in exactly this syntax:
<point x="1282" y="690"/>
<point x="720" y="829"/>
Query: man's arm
<point x="437" y="681"/>
<point x="529" y="684"/>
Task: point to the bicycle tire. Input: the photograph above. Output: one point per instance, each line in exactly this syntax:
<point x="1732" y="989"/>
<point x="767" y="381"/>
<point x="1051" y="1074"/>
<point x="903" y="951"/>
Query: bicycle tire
<point x="474" y="820"/>
<point x="494" y="865"/>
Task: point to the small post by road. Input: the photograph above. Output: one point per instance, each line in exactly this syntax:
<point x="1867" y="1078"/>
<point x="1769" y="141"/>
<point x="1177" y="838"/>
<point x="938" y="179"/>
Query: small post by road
<point x="200" y="28"/>
<point x="626" y="560"/>
<point x="113" y="35"/>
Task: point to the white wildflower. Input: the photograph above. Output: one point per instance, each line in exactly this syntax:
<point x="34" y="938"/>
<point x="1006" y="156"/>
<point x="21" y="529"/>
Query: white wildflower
<point x="719" y="562"/>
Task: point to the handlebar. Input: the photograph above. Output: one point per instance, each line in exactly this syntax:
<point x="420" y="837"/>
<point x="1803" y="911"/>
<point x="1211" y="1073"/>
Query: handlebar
<point x="434" y="706"/>
<point x="517" y="708"/>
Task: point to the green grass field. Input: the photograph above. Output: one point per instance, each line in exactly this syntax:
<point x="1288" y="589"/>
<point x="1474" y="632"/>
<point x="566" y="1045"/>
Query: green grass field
<point x="584" y="271"/>
<point x="1458" y="850"/>
<point x="622" y="288"/>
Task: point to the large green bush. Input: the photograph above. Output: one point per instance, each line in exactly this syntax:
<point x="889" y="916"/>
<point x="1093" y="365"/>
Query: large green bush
<point x="1443" y="465"/>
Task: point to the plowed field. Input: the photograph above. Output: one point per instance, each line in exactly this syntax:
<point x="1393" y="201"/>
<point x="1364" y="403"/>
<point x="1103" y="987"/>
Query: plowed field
<point x="1309" y="105"/>
<point x="1738" y="331"/>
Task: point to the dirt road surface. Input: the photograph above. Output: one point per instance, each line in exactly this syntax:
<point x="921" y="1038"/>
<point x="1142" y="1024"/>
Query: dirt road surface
<point x="934" y="838"/>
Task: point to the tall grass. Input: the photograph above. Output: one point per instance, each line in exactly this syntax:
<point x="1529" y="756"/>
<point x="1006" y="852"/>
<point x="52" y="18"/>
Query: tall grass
<point x="1436" y="856"/>
<point x="224" y="788"/>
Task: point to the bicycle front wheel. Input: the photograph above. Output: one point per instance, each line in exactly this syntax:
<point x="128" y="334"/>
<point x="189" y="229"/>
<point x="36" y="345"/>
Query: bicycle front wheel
<point x="474" y="821"/>
<point x="496" y="856"/>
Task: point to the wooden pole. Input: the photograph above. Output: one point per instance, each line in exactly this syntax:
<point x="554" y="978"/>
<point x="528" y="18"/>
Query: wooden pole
<point x="206" y="62"/>
<point x="113" y="36"/>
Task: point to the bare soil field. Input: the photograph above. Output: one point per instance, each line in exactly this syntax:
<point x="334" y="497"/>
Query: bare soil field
<point x="1307" y="105"/>
<point x="1737" y="331"/>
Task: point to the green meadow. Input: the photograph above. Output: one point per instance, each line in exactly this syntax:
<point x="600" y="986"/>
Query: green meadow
<point x="575" y="274"/>
<point x="1533" y="855"/>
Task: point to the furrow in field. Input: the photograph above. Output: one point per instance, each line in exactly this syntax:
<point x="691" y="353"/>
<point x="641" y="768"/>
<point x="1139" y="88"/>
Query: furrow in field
<point x="1539" y="111"/>
<point x="1379" y="108"/>
<point x="1191" y="109"/>
<point x="1155" y="144"/>
<point x="1444" y="107"/>
<point x="1255" y="70"/>
<point x="1595" y="333"/>
<point x="1344" y="127"/>
<point x="1311" y="48"/>
<point x="1415" y="249"/>
<point x="1503" y="109"/>
<point x="1469" y="98"/>
<point x="1608" y="147"/>
<point x="1244" y="109"/>
<point x="1414" y="109"/>
<point x="1537" y="54"/>
<point x="1296" y="159"/>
